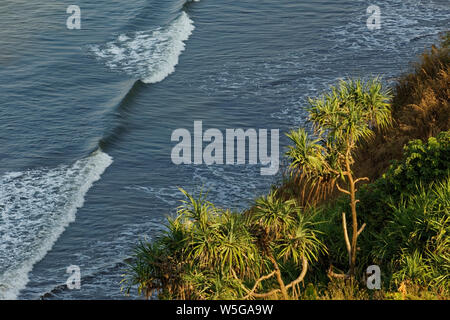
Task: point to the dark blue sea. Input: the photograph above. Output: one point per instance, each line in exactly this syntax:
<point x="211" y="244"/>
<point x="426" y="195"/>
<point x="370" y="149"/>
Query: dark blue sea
<point x="86" y="115"/>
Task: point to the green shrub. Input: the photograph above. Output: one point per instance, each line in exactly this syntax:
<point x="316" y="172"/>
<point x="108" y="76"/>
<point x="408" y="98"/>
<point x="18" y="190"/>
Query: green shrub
<point x="422" y="163"/>
<point x="407" y="215"/>
<point x="415" y="241"/>
<point x="211" y="253"/>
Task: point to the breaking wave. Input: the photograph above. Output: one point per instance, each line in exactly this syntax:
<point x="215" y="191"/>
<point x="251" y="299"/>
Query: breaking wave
<point x="35" y="208"/>
<point x="148" y="55"/>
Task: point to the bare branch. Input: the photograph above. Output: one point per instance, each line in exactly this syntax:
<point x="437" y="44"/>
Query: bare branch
<point x="331" y="274"/>
<point x="347" y="240"/>
<point x="333" y="170"/>
<point x="302" y="274"/>
<point x="252" y="292"/>
<point x="342" y="190"/>
<point x="361" y="179"/>
<point x="265" y="295"/>
<point x="361" y="230"/>
<point x="278" y="275"/>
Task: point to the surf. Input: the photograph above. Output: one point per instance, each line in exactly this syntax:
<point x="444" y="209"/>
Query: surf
<point x="149" y="56"/>
<point x="36" y="207"/>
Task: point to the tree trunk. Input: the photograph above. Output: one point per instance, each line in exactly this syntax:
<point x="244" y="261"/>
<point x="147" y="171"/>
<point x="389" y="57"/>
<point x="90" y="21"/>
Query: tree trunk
<point x="354" y="217"/>
<point x="279" y="278"/>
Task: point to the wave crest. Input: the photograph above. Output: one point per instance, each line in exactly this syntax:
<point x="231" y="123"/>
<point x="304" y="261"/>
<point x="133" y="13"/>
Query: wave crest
<point x="148" y="55"/>
<point x="36" y="207"/>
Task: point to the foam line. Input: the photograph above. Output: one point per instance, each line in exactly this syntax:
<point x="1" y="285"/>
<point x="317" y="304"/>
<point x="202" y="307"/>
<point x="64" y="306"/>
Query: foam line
<point x="148" y="55"/>
<point x="35" y="208"/>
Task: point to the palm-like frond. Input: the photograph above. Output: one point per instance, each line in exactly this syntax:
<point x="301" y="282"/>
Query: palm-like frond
<point x="351" y="110"/>
<point x="306" y="153"/>
<point x="274" y="214"/>
<point x="301" y="240"/>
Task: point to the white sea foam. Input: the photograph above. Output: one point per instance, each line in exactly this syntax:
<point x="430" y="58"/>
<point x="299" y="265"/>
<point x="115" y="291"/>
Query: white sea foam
<point x="148" y="55"/>
<point x="108" y="252"/>
<point x="224" y="185"/>
<point x="35" y="208"/>
<point x="402" y="21"/>
<point x="290" y="77"/>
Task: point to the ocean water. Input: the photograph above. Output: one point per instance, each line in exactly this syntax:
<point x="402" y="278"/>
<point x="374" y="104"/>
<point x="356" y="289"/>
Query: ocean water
<point x="86" y="115"/>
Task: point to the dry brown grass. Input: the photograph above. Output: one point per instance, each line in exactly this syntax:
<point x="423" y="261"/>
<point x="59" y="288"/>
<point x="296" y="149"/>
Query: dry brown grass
<point x="420" y="109"/>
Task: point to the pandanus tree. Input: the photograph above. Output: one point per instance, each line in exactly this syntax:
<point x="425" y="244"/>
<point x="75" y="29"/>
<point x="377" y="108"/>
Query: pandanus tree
<point x="199" y="256"/>
<point x="227" y="252"/>
<point x="341" y="120"/>
<point x="211" y="253"/>
<point x="284" y="232"/>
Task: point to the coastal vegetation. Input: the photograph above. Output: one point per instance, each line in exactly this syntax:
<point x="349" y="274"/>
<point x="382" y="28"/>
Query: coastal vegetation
<point x="341" y="119"/>
<point x="380" y="156"/>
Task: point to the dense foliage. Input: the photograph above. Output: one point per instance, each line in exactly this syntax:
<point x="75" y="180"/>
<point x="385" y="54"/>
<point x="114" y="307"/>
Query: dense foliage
<point x="341" y="119"/>
<point x="285" y="245"/>
<point x="211" y="253"/>
<point x="407" y="212"/>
